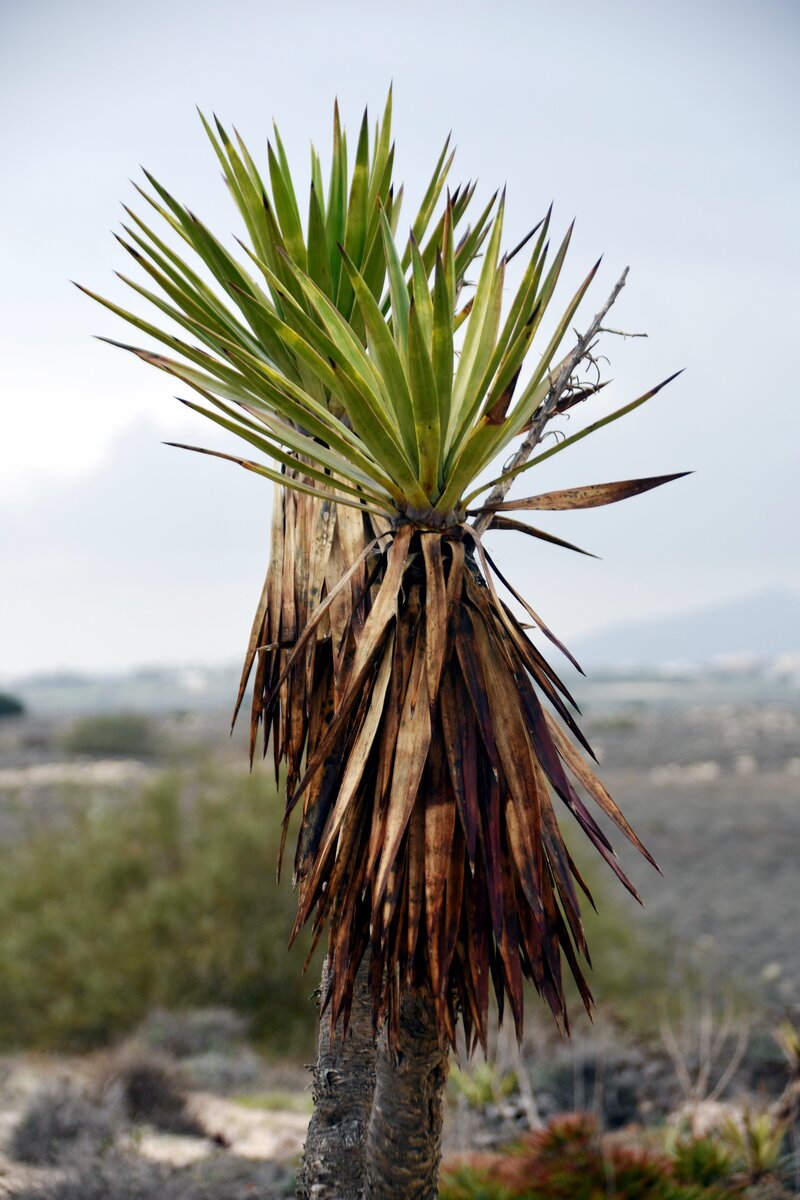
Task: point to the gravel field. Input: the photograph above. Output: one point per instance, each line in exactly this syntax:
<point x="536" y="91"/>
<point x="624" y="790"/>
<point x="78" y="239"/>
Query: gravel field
<point x="715" y="795"/>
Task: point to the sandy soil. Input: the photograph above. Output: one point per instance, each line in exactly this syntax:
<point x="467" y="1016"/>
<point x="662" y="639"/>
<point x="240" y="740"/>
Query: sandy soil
<point x="251" y="1133"/>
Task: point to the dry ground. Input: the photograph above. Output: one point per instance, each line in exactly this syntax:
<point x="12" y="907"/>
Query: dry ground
<point x="715" y="795"/>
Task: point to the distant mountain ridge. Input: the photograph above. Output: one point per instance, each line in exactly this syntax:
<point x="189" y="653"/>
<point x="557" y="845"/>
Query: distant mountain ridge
<point x="765" y="625"/>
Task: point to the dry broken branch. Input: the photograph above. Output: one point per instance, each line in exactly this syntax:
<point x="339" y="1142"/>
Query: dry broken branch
<point x="550" y="403"/>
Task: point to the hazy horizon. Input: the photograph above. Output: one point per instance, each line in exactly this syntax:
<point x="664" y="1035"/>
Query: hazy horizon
<point x="602" y="648"/>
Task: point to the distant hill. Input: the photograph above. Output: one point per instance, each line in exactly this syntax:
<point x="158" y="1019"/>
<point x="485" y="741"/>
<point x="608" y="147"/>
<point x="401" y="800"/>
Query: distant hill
<point x="765" y="625"/>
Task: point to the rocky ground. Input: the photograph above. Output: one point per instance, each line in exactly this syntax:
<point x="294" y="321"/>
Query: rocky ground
<point x="136" y="1113"/>
<point x="714" y="792"/>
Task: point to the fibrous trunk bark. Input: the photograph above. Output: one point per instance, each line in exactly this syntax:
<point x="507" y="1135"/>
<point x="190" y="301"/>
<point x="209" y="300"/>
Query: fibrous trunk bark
<point x="404" y="1139"/>
<point x="343" y="1087"/>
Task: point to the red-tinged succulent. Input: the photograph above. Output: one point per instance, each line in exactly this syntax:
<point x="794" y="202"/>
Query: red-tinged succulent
<point x="570" y="1159"/>
<point x="426" y="739"/>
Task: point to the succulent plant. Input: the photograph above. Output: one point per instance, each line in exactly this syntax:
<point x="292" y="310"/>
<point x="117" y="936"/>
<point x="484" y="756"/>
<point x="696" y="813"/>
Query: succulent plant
<point x="425" y="737"/>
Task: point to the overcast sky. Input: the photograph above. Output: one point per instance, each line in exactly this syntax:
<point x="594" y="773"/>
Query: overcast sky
<point x="668" y="130"/>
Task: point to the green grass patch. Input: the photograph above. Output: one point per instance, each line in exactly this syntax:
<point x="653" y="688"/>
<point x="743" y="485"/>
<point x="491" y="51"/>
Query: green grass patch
<point x="297" y="1102"/>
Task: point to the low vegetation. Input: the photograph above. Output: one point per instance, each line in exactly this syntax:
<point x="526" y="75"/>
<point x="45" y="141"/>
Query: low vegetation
<point x="571" y="1160"/>
<point x="187" y="1035"/>
<point x="10" y="706"/>
<point x="157" y="917"/>
<point x="115" y="735"/>
<point x="59" y="1122"/>
<point x="151" y="1092"/>
<point x="128" y="1177"/>
<point x="167" y="900"/>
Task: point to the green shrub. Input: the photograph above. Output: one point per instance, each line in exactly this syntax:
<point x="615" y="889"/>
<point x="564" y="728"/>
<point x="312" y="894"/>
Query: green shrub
<point x="757" y="1145"/>
<point x="467" y="1182"/>
<point x="615" y="722"/>
<point x="10" y="706"/>
<point x="168" y="901"/>
<point x="702" y="1160"/>
<point x="115" y="735"/>
<point x="481" y="1083"/>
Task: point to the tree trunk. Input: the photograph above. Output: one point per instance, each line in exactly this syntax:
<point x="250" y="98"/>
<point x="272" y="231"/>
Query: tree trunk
<point x="404" y="1140"/>
<point x="344" y="1081"/>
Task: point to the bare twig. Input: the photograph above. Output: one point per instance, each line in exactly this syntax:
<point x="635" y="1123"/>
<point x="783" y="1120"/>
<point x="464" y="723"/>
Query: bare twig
<point x="509" y="1057"/>
<point x="738" y="1054"/>
<point x="678" y="1057"/>
<point x="548" y="406"/>
<point x="526" y="1093"/>
<point x="710" y="1045"/>
<point x="620" y="332"/>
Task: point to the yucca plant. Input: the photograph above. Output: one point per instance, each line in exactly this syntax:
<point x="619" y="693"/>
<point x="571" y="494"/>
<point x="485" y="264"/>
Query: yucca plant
<point x="425" y="738"/>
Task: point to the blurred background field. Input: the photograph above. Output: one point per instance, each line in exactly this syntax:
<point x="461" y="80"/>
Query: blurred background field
<point x="138" y="895"/>
<point x="139" y="864"/>
<point x="139" y="855"/>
